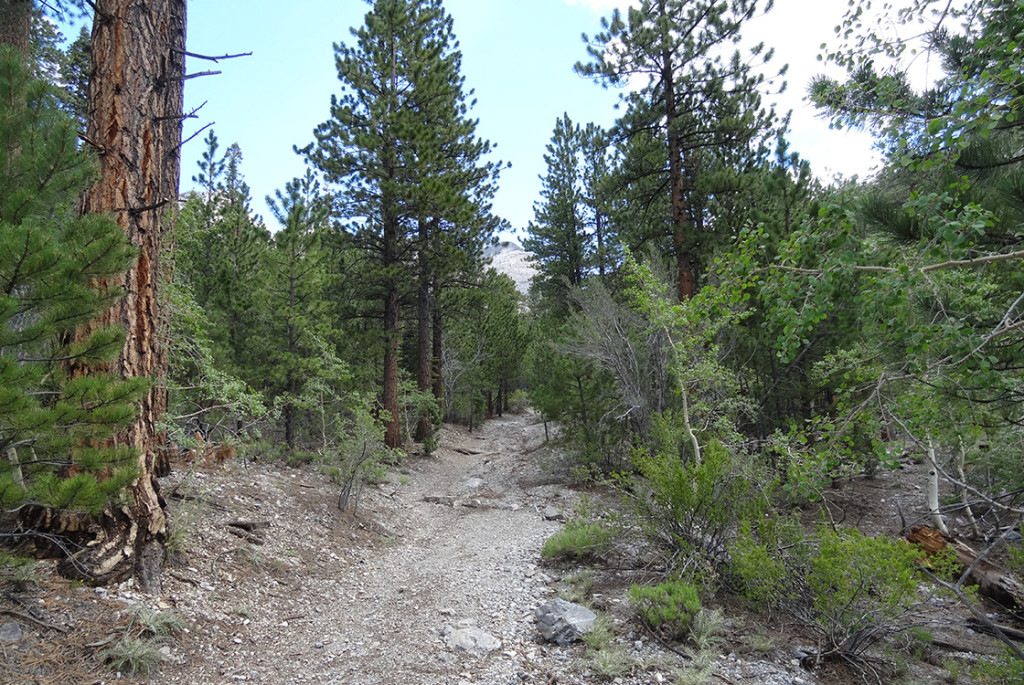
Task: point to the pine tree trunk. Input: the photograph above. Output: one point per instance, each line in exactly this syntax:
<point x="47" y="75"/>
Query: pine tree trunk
<point x="16" y="25"/>
<point x="680" y="239"/>
<point x="392" y="432"/>
<point x="436" y="355"/>
<point x="134" y="119"/>
<point x="425" y="426"/>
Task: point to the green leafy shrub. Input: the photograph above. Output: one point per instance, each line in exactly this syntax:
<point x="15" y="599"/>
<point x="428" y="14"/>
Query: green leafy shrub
<point x="758" y="568"/>
<point x="518" y="401"/>
<point x="860" y="587"/>
<point x="578" y="541"/>
<point x="850" y="589"/>
<point x="668" y="608"/>
<point x="694" y="507"/>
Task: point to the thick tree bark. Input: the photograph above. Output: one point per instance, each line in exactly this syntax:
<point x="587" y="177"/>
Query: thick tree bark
<point x="134" y="120"/>
<point x="16" y="25"/>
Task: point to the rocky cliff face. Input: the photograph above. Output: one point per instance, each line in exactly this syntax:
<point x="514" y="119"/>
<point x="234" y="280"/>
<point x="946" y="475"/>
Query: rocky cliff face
<point x="511" y="259"/>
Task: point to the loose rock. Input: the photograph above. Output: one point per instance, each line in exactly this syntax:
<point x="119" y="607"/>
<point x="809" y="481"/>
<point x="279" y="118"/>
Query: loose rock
<point x="564" y="622"/>
<point x="10" y="632"/>
<point x="473" y="641"/>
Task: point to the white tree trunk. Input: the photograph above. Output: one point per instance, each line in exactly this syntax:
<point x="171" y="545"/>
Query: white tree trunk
<point x="933" y="490"/>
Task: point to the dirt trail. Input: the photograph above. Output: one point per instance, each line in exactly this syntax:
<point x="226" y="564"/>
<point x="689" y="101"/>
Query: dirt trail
<point x="451" y="542"/>
<point x="313" y="595"/>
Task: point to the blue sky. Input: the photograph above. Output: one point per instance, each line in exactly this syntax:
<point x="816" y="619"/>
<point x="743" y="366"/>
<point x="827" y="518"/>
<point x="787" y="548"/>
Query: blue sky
<point x="517" y="55"/>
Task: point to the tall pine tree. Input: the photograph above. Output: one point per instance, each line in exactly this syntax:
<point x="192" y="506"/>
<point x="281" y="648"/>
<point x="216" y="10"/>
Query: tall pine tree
<point x="400" y="145"/>
<point x="701" y="103"/>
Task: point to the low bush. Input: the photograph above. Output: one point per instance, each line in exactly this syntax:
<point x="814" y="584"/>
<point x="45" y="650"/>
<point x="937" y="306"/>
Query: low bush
<point x="667" y="609"/>
<point x="578" y="541"/>
<point x="850" y="589"/>
<point x="692" y="508"/>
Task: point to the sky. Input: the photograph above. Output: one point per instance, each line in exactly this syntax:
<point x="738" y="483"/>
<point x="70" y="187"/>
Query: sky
<point x="518" y="56"/>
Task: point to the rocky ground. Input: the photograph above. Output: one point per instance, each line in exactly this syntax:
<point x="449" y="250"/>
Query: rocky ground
<point x="276" y="585"/>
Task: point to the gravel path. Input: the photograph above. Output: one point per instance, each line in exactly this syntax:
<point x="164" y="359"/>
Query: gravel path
<point x="277" y="586"/>
<point x="451" y="542"/>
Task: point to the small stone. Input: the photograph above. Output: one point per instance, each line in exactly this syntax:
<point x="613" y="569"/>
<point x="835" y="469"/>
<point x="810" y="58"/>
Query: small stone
<point x="318" y="645"/>
<point x="473" y="641"/>
<point x="10" y="632"/>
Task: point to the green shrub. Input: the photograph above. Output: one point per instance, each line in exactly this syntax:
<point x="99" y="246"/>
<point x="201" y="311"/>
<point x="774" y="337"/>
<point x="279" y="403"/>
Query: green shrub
<point x="1006" y="668"/>
<point x="134" y="656"/>
<point x="518" y="401"/>
<point x="693" y="507"/>
<point x="668" y="608"/>
<point x="850" y="589"/>
<point x="756" y="563"/>
<point x="578" y="541"/>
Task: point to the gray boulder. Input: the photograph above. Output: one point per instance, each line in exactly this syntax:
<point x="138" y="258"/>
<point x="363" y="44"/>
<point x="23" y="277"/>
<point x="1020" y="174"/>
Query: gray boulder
<point x="474" y="641"/>
<point x="563" y="622"/>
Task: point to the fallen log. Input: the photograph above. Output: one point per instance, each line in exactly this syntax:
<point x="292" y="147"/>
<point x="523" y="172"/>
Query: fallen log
<point x="993" y="581"/>
<point x="990" y="629"/>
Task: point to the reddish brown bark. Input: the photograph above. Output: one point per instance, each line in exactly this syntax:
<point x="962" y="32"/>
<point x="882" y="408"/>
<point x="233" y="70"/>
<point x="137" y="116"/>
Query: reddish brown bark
<point x="134" y="121"/>
<point x="680" y="221"/>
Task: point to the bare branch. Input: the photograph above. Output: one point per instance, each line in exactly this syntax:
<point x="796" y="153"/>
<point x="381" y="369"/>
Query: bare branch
<point x="210" y="57"/>
<point x="182" y="143"/>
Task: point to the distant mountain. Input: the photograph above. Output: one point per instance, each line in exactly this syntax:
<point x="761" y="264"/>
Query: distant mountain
<point x="511" y="259"/>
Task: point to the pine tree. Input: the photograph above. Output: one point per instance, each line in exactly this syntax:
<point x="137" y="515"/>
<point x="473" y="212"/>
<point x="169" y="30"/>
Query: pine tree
<point x="400" y="145"/>
<point x="596" y="170"/>
<point x="54" y="427"/>
<point x="702" y="104"/>
<point x="297" y="280"/>
<point x="221" y="245"/>
<point x="452" y="204"/>
<point x="558" y="237"/>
